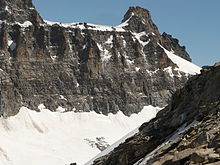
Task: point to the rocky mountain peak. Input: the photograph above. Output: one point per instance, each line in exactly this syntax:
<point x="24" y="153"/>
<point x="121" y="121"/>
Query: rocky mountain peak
<point x="137" y="11"/>
<point x="83" y="66"/>
<point x="172" y="44"/>
<point x="19" y="11"/>
<point x="138" y="20"/>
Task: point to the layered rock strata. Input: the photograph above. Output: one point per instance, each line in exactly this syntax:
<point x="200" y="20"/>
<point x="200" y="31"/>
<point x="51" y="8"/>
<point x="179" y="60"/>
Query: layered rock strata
<point x="84" y="67"/>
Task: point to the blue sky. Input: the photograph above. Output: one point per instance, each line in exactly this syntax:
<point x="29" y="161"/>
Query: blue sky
<point x="196" y="23"/>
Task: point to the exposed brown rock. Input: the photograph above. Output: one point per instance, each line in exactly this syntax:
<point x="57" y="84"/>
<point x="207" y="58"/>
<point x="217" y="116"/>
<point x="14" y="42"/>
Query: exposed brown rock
<point x="94" y="70"/>
<point x="185" y="132"/>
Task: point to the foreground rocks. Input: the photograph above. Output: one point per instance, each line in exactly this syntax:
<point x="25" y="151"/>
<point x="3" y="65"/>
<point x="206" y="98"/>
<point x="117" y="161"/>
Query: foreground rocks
<point x="187" y="131"/>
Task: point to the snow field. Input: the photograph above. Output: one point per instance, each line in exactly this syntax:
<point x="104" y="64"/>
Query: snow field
<point x="45" y="137"/>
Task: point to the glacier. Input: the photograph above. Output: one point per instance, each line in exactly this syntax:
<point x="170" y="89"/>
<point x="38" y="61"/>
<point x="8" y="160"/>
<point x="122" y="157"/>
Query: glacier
<point x="45" y="137"/>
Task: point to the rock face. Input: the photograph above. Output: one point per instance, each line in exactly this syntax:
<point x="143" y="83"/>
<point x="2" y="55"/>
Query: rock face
<point x="139" y="20"/>
<point x="84" y="67"/>
<point x="19" y="11"/>
<point x="187" y="131"/>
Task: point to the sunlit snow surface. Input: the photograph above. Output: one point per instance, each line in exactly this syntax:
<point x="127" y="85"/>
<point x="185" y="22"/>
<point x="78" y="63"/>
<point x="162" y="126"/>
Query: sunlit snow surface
<point x="183" y="65"/>
<point x="45" y="137"/>
<point x="90" y="26"/>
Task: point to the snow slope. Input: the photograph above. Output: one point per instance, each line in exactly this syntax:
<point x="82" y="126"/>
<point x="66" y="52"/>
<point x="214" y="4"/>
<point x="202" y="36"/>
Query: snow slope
<point x="111" y="148"/>
<point x="183" y="65"/>
<point x="45" y="137"/>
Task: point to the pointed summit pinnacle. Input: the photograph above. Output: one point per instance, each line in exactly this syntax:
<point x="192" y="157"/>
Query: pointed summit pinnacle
<point x="138" y="20"/>
<point x="137" y="11"/>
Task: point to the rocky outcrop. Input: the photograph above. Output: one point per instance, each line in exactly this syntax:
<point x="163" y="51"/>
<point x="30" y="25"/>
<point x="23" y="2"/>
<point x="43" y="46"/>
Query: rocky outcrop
<point x="172" y="44"/>
<point x="84" y="67"/>
<point x="185" y="132"/>
<point x="19" y="11"/>
<point x="139" y="20"/>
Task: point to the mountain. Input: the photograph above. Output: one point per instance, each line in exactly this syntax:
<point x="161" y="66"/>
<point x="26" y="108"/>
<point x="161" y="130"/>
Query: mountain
<point x="68" y="91"/>
<point x="86" y="67"/>
<point x="187" y="131"/>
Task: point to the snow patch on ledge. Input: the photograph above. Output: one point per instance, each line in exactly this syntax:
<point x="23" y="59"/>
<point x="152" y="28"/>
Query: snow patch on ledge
<point x="25" y="24"/>
<point x="138" y="37"/>
<point x="169" y="71"/>
<point x="57" y="138"/>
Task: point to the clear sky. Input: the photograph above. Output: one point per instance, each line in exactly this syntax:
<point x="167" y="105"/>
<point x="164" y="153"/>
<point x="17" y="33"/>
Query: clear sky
<point x="196" y="23"/>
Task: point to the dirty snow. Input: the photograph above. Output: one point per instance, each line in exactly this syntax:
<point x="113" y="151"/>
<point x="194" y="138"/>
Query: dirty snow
<point x="11" y="44"/>
<point x="176" y="134"/>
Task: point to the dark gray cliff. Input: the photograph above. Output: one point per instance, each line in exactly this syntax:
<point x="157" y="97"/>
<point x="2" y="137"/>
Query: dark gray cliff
<point x="84" y="67"/>
<point x="19" y="11"/>
<point x="139" y="20"/>
<point x="186" y="132"/>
